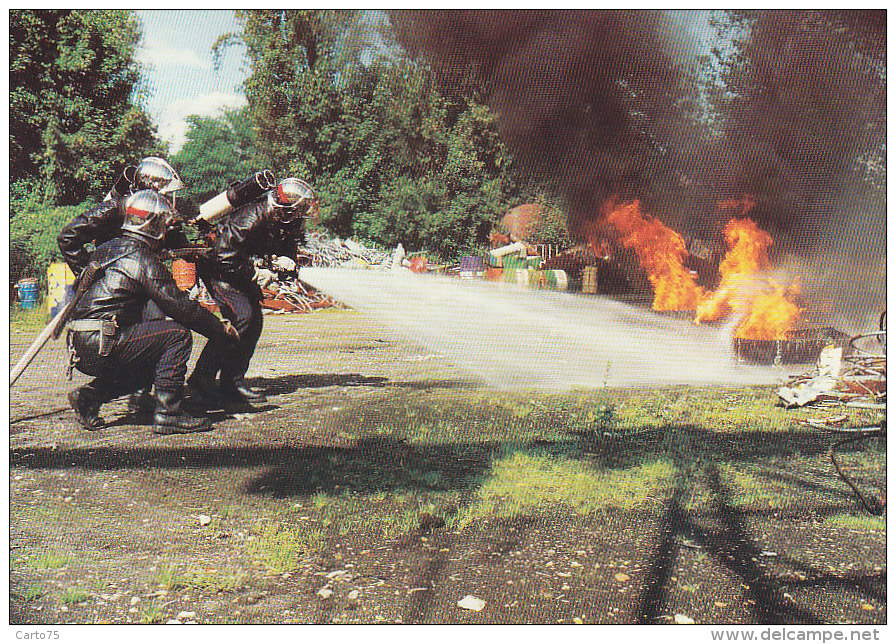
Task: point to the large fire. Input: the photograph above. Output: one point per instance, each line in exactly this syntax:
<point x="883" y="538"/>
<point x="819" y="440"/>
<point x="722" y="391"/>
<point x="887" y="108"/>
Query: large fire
<point x="768" y="312"/>
<point x="765" y="305"/>
<point x="661" y="252"/>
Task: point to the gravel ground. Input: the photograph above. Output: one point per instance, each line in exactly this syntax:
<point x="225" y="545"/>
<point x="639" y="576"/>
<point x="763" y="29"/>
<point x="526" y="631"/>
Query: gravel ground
<point x="123" y="526"/>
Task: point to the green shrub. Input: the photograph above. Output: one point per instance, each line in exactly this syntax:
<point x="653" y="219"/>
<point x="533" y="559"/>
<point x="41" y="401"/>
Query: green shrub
<point x="33" y="234"/>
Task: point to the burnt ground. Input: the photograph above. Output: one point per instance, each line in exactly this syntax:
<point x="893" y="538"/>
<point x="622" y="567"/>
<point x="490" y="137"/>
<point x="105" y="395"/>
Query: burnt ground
<point x="380" y="485"/>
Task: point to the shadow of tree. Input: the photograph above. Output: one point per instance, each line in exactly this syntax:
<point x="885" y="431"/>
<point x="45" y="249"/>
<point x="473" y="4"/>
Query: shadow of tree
<point x="288" y="384"/>
<point x="372" y="464"/>
<point x="732" y="545"/>
<point x="376" y="463"/>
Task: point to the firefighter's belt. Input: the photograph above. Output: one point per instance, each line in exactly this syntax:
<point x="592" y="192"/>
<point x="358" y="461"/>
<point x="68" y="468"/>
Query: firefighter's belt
<point x="108" y="326"/>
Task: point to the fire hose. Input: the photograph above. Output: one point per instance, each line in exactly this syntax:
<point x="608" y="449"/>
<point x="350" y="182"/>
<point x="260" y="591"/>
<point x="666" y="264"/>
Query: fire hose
<point x="864" y="361"/>
<point x="874" y="506"/>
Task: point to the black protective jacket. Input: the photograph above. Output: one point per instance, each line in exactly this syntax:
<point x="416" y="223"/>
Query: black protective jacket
<point x="97" y="226"/>
<point x="250" y="231"/>
<point x="134" y="274"/>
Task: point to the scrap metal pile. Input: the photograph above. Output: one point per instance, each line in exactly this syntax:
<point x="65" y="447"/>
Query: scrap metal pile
<point x="285" y="293"/>
<point x="324" y="251"/>
<point x="854" y="375"/>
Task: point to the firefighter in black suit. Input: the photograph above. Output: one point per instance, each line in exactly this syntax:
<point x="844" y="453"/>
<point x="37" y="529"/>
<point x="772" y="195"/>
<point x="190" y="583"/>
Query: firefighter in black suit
<point x="271" y="226"/>
<point x="111" y="340"/>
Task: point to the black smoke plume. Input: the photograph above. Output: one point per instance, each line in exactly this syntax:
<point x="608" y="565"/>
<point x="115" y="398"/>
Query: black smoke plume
<point x="575" y="91"/>
<point x="592" y="99"/>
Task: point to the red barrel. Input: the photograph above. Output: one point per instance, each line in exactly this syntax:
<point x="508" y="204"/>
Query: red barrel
<point x="184" y="274"/>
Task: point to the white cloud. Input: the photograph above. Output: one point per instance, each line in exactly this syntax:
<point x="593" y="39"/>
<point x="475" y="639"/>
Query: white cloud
<point x="172" y="121"/>
<point x="159" y="53"/>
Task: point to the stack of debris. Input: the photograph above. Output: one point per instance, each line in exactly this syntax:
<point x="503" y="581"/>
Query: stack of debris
<point x="322" y="250"/>
<point x="854" y="375"/>
<point x="283" y="291"/>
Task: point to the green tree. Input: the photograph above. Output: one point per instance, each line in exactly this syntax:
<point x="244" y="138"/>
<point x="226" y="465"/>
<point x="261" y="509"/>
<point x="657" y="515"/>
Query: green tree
<point x="218" y="151"/>
<point x="801" y="98"/>
<point x="394" y="160"/>
<point x="74" y="121"/>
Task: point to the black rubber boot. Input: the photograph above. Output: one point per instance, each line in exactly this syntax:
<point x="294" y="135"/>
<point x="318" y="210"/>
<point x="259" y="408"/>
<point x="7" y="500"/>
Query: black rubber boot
<point x="141" y="405"/>
<point x="239" y="391"/>
<point x="205" y="387"/>
<point x="86" y="406"/>
<point x="169" y="419"/>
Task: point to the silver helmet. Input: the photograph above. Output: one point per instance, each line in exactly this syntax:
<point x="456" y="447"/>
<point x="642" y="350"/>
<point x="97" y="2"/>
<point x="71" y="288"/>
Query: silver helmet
<point x="155" y="173"/>
<point x="147" y="214"/>
<point x="292" y="198"/>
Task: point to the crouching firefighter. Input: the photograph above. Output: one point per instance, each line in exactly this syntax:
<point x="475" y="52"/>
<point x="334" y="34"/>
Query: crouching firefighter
<point x="103" y="222"/>
<point x="108" y="336"/>
<point x="270" y="226"/>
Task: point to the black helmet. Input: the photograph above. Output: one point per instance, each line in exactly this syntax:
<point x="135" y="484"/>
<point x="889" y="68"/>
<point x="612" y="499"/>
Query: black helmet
<point x="157" y="174"/>
<point x="291" y="198"/>
<point x="147" y="214"/>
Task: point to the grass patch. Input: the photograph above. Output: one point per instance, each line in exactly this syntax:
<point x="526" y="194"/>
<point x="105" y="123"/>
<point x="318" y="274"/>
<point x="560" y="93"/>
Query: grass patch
<point x="871" y="524"/>
<point x="216" y="580"/>
<point x="28" y="320"/>
<point x="282" y="547"/>
<point x="171" y="577"/>
<point x="167" y="577"/>
<point x="522" y="482"/>
<point x="151" y="614"/>
<point x="747" y="489"/>
<point x="73" y="595"/>
<point x="748" y="409"/>
<point x="49" y="561"/>
<point x="284" y="544"/>
<point x="35" y="591"/>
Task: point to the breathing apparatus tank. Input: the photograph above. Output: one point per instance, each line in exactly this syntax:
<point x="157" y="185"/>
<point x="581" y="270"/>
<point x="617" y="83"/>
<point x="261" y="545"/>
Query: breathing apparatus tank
<point x="237" y="195"/>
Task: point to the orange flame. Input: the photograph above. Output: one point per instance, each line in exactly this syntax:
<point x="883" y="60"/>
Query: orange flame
<point x="767" y="306"/>
<point x="661" y="252"/>
<point x="770" y="316"/>
<point x="747" y="255"/>
<point x="769" y="312"/>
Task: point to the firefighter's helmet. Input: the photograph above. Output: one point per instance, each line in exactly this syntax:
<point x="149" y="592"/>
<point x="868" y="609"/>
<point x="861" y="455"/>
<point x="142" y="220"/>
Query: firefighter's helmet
<point x="154" y="173"/>
<point x="292" y="198"/>
<point x="147" y="214"/>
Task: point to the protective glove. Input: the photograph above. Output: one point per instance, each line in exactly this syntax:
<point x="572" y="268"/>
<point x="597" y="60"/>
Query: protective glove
<point x="263" y="277"/>
<point x="285" y="264"/>
<point x="230" y="330"/>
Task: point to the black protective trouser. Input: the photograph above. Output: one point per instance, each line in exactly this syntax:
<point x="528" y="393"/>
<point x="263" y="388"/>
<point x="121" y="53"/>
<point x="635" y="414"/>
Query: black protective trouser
<point x="147" y="353"/>
<point x="240" y="305"/>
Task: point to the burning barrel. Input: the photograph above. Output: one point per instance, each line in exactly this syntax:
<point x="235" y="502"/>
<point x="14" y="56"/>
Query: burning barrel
<point x="803" y="346"/>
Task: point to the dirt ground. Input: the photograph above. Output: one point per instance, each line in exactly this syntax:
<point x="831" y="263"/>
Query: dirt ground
<point x="377" y="484"/>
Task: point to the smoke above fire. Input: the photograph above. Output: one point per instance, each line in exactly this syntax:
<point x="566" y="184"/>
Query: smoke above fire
<point x="563" y="83"/>
<point x="593" y="101"/>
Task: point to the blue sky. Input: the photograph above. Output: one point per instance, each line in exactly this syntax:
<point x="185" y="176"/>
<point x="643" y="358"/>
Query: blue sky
<point x="180" y="77"/>
<point x="179" y="74"/>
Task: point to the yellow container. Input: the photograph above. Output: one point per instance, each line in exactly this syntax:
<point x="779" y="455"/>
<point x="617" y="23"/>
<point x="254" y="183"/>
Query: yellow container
<point x="59" y="287"/>
<point x="589" y="279"/>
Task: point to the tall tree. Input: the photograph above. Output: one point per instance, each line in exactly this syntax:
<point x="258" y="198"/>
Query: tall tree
<point x="218" y="151"/>
<point x="802" y="100"/>
<point x="74" y="120"/>
<point x="336" y="102"/>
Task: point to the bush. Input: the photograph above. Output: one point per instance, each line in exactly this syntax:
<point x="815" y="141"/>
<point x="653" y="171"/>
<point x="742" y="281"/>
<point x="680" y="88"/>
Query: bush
<point x="33" y="232"/>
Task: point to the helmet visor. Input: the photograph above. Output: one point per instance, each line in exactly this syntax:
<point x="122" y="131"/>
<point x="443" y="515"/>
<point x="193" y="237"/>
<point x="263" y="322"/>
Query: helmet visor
<point x="292" y="198"/>
<point x="153" y="226"/>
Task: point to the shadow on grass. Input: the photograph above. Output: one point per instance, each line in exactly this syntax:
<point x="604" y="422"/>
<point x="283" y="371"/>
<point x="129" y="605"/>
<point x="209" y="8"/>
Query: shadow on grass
<point x="733" y="546"/>
<point x="288" y="384"/>
<point x="372" y="464"/>
<point x="388" y="463"/>
<point x="696" y="443"/>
